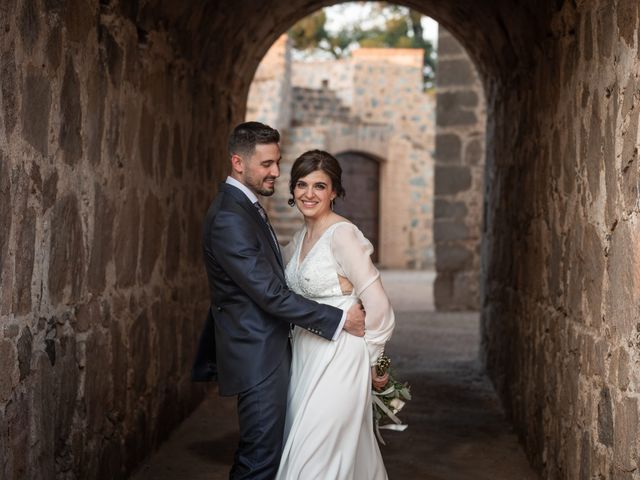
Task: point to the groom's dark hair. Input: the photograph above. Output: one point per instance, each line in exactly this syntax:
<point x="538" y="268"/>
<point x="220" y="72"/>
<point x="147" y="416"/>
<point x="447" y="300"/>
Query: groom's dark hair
<point x="246" y="136"/>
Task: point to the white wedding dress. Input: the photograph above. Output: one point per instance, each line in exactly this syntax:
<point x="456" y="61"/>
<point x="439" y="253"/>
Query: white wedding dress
<point x="329" y="425"/>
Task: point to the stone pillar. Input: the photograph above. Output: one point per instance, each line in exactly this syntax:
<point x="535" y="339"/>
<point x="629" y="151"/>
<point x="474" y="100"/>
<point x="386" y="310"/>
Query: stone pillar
<point x="459" y="169"/>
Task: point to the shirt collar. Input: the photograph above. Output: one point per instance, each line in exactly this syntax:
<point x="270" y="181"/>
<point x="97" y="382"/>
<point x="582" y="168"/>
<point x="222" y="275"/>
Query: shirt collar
<point x="240" y="186"/>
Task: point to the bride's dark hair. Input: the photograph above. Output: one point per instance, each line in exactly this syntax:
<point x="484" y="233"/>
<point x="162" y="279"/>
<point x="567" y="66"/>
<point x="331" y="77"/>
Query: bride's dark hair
<point x="312" y="161"/>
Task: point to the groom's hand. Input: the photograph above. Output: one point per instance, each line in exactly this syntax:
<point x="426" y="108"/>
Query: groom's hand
<point x="354" y="324"/>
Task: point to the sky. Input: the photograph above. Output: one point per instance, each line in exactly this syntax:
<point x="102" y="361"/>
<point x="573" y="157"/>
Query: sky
<point x="339" y="15"/>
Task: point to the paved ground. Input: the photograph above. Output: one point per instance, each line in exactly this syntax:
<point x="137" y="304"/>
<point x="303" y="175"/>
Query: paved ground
<point x="456" y="428"/>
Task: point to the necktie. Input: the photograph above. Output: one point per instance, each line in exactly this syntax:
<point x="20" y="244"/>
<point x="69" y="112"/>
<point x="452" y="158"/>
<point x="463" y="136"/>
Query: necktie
<point x="264" y="216"/>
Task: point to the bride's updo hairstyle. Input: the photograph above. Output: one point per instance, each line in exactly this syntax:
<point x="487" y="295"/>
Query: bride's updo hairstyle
<point x="312" y="161"/>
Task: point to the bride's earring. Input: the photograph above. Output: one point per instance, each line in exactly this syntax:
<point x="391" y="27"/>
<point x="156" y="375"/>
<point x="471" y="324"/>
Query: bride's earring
<point x="332" y="204"/>
<point x="291" y="202"/>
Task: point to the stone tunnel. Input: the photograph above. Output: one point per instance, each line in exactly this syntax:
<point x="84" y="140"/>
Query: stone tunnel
<point x="113" y="123"/>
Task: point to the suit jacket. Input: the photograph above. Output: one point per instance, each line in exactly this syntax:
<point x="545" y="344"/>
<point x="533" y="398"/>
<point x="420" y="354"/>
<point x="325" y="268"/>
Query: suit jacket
<point x="251" y="306"/>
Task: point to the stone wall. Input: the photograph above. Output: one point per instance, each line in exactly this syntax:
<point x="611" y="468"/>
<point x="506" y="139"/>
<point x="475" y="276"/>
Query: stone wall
<point x="104" y="178"/>
<point x="459" y="177"/>
<point x="561" y="265"/>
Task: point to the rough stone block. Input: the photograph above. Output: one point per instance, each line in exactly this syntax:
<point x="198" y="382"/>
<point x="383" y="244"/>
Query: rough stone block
<point x="126" y="250"/>
<point x="50" y="191"/>
<point x="455" y="72"/>
<point x="448" y="148"/>
<point x="594" y="156"/>
<point x="448" y="45"/>
<point x="627" y="20"/>
<point x="452" y="258"/>
<point x="446" y="230"/>
<point x="139" y="352"/>
<point x="450" y="180"/>
<point x="445" y="209"/>
<point x="625" y="439"/>
<point x="605" y="418"/>
<point x="54" y="47"/>
<point x="102" y="244"/>
<point x="9" y="377"/>
<point x="87" y="316"/>
<point x="605" y="30"/>
<point x="466" y="291"/>
<point x="80" y="17"/>
<point x="9" y="90"/>
<point x="25" y="345"/>
<point x="29" y="24"/>
<point x="16" y="417"/>
<point x="153" y="226"/>
<point x="36" y="103"/>
<point x="623" y="369"/>
<point x="585" y="457"/>
<point x="5" y="212"/>
<point x="621" y="272"/>
<point x="443" y="291"/>
<point x="146" y="139"/>
<point x="24" y="263"/>
<point x="456" y="108"/>
<point x="176" y="152"/>
<point x="119" y="369"/>
<point x="593" y="271"/>
<point x="474" y="153"/>
<point x="163" y="150"/>
<point x="172" y="254"/>
<point x="66" y="256"/>
<point x="114" y="55"/>
<point x="97" y="389"/>
<point x="70" y="116"/>
<point x="95" y="112"/>
<point x="66" y="378"/>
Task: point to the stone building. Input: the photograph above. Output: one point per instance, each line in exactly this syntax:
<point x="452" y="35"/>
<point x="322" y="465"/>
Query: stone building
<point x="113" y="120"/>
<point x="371" y="113"/>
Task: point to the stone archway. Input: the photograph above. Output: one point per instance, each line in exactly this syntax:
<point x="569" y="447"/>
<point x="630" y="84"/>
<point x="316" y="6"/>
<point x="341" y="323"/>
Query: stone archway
<point x="114" y="117"/>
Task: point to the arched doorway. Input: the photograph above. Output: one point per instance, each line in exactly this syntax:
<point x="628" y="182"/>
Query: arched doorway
<point x="361" y="205"/>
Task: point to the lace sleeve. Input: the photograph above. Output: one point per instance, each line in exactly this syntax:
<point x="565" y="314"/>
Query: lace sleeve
<point x="352" y="252"/>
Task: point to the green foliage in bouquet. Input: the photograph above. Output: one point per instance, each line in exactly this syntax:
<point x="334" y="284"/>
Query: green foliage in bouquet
<point x="388" y="402"/>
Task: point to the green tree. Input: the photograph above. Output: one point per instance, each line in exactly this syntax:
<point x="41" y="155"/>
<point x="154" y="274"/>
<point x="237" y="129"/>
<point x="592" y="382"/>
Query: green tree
<point x="401" y="27"/>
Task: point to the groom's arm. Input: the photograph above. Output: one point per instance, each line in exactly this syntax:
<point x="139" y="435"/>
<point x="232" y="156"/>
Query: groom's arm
<point x="237" y="250"/>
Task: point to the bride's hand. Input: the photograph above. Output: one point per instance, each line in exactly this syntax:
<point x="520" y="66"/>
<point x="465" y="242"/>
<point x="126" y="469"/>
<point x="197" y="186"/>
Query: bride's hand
<point x="378" y="381"/>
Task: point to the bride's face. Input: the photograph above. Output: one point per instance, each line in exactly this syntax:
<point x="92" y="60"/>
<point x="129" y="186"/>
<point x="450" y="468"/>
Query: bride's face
<point x="313" y="194"/>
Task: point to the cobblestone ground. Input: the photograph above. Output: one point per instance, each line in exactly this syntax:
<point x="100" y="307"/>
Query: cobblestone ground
<point x="457" y="429"/>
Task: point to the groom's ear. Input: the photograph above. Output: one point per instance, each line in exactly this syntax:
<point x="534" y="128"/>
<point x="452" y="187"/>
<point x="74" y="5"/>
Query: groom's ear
<point x="237" y="164"/>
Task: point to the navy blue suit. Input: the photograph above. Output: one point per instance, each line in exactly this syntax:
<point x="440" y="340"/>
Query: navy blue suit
<point x="252" y="310"/>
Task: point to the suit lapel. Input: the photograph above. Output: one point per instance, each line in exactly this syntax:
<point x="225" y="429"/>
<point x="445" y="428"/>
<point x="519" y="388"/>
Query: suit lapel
<point x="246" y="204"/>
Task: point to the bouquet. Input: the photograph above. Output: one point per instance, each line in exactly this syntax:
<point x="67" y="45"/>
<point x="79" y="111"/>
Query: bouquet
<point x="388" y="402"/>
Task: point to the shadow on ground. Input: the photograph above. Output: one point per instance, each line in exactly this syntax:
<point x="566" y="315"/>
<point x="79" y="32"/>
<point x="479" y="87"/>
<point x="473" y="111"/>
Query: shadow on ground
<point x="457" y="430"/>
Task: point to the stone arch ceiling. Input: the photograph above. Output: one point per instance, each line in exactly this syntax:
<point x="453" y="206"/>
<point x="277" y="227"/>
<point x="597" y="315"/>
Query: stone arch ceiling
<point x="229" y="38"/>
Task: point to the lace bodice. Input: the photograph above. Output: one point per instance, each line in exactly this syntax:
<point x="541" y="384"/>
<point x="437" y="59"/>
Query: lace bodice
<point x="317" y="275"/>
<point x="342" y="251"/>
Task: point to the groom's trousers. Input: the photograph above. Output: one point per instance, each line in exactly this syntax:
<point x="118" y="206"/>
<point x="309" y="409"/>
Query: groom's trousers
<point x="261" y="414"/>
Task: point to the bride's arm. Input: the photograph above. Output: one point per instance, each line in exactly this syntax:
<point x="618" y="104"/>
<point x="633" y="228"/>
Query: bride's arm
<point x="352" y="252"/>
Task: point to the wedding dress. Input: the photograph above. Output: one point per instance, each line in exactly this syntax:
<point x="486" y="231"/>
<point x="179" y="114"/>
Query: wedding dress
<point x="329" y="425"/>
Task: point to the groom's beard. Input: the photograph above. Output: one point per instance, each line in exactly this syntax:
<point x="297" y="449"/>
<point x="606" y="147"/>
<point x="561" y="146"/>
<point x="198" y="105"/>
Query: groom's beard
<point x="262" y="187"/>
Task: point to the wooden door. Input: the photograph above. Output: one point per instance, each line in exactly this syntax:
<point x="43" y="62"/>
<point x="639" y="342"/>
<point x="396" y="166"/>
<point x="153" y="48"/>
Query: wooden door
<point x="361" y="181"/>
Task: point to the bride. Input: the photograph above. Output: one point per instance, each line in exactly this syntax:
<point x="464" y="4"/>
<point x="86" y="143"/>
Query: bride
<point x="329" y="424"/>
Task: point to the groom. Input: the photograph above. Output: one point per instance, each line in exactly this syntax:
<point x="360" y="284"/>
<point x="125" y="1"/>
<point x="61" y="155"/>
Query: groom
<point x="251" y="307"/>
